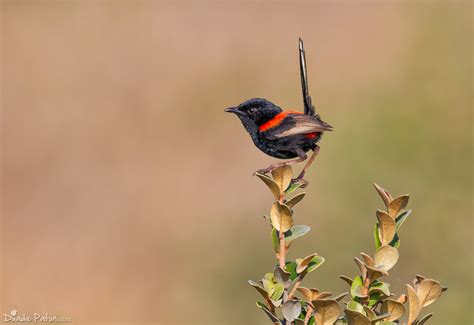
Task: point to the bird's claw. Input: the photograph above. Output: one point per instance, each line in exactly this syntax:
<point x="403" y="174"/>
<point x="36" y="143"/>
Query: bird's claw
<point x="263" y="171"/>
<point x="300" y="180"/>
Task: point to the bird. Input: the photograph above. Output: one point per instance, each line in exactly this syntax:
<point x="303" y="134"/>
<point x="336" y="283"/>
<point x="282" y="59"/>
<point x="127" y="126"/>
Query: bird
<point x="284" y="134"/>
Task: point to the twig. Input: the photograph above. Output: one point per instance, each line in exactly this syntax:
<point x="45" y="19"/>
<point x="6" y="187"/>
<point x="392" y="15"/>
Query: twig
<point x="365" y="291"/>
<point x="309" y="313"/>
<point x="293" y="290"/>
<point x="282" y="253"/>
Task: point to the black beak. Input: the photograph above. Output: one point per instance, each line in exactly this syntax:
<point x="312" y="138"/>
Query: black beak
<point x="234" y="110"/>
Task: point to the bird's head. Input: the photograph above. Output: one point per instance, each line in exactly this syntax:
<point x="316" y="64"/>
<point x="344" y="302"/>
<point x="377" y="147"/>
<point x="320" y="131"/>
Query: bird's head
<point x="255" y="111"/>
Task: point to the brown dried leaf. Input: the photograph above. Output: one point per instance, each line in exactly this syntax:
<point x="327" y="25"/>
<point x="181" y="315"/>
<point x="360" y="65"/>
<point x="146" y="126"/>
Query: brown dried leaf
<point x="341" y="296"/>
<point x="306" y="293"/>
<point x="271" y="185"/>
<point x="295" y="200"/>
<point x="362" y="268"/>
<point x="282" y="177"/>
<point x="386" y="197"/>
<point x="386" y="257"/>
<point x="369" y="312"/>
<point x="397" y="205"/>
<point x="281" y="217"/>
<point x="402" y="299"/>
<point x="346" y="279"/>
<point x="356" y="318"/>
<point x="414" y="307"/>
<point x="321" y="295"/>
<point x="395" y="308"/>
<point x="369" y="261"/>
<point x="261" y="290"/>
<point x="374" y="274"/>
<point x="291" y="309"/>
<point x="416" y="281"/>
<point x="304" y="263"/>
<point x="326" y="311"/>
<point x="428" y="291"/>
<point x="424" y="319"/>
<point x="387" y="227"/>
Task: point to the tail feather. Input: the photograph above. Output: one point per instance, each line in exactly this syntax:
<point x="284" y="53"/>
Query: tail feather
<point x="308" y="106"/>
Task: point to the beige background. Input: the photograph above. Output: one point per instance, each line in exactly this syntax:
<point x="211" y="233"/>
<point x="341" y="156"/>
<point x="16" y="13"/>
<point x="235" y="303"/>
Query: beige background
<point x="127" y="193"/>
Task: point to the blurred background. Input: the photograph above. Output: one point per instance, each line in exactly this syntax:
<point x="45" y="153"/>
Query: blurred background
<point x="127" y="193"/>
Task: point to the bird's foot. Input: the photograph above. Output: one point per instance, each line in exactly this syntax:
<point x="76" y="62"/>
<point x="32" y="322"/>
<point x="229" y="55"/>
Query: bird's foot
<point x="301" y="180"/>
<point x="264" y="171"/>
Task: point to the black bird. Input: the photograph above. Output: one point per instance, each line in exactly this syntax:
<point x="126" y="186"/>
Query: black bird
<point x="283" y="134"/>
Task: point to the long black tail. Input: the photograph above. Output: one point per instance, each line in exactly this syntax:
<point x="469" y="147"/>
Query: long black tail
<point x="308" y="105"/>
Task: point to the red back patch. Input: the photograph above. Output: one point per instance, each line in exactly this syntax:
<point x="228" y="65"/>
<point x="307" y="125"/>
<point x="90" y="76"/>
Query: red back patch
<point x="276" y="120"/>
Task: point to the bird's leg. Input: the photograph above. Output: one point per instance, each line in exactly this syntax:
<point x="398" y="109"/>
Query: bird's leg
<point x="310" y="161"/>
<point x="270" y="168"/>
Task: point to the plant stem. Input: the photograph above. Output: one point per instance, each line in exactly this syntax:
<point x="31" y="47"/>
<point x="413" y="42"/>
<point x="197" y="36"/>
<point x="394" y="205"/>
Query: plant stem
<point x="293" y="290"/>
<point x="365" y="291"/>
<point x="282" y="253"/>
<point x="309" y="313"/>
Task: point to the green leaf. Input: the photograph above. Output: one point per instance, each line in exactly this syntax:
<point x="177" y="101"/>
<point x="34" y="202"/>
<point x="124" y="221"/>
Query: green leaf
<point x="294" y="186"/>
<point x="296" y="232"/>
<point x="352" y="305"/>
<point x="278" y="291"/>
<point x="270" y="277"/>
<point x="357" y="287"/>
<point x="315" y="262"/>
<point x="268" y="286"/>
<point x="275" y="240"/>
<point x="291" y="267"/>
<point x="378" y="243"/>
<point x="378" y="286"/>
<point x="373" y="299"/>
<point x="401" y="218"/>
<point x="395" y="241"/>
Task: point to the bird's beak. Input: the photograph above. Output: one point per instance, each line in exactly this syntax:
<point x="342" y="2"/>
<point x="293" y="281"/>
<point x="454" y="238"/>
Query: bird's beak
<point x="233" y="110"/>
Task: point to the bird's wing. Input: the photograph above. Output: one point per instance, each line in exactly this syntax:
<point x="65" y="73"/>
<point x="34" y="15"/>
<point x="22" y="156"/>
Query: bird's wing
<point x="308" y="106"/>
<point x="296" y="124"/>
